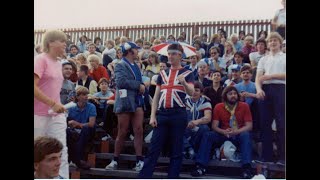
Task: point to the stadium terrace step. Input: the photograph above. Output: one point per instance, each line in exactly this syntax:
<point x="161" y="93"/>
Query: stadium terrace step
<point x="124" y="173"/>
<point x="212" y="163"/>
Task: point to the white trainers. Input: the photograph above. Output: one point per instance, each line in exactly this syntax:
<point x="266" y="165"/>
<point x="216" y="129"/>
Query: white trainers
<point x="105" y="138"/>
<point x="101" y="124"/>
<point x="113" y="165"/>
<point x="139" y="166"/>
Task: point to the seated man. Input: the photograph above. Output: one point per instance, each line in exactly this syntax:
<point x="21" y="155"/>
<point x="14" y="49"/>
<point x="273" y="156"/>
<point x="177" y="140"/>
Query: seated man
<point x="235" y="76"/>
<point x="68" y="88"/>
<point x="86" y="81"/>
<point x="199" y="115"/>
<point x="232" y="121"/>
<point x="81" y="122"/>
<point x="47" y="157"/>
<point x="100" y="98"/>
<point x="203" y="74"/>
<point x="246" y="88"/>
<point x="111" y="119"/>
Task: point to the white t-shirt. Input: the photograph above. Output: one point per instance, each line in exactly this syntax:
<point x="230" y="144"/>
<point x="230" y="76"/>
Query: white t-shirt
<point x="255" y="56"/>
<point x="110" y="52"/>
<point x="270" y="64"/>
<point x="281" y="14"/>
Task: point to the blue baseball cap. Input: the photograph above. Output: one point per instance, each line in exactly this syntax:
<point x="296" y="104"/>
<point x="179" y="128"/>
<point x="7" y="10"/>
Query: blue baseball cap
<point x="128" y="45"/>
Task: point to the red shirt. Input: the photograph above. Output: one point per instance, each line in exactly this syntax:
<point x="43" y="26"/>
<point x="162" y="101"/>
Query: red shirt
<point x="99" y="73"/>
<point x="242" y="114"/>
<point x="113" y="97"/>
<point x="74" y="77"/>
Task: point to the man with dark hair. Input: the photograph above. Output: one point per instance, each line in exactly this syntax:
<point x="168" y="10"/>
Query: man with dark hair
<point x="74" y="50"/>
<point x="232" y="121"/>
<point x="68" y="88"/>
<point x="86" y="81"/>
<point x="261" y="47"/>
<point x="237" y="60"/>
<point x="168" y="114"/>
<point x="214" y="92"/>
<point x="47" y="157"/>
<point x="199" y="115"/>
<point x="246" y="88"/>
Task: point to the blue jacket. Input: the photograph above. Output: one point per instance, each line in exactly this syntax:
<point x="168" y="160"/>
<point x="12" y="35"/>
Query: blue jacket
<point x="125" y="80"/>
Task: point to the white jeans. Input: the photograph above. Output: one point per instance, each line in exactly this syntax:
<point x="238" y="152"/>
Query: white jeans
<point x="54" y="126"/>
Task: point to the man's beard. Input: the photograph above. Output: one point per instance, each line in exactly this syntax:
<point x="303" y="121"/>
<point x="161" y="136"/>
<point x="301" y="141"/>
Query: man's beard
<point x="232" y="102"/>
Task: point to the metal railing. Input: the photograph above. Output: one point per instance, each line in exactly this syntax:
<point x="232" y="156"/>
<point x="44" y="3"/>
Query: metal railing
<point x="146" y="31"/>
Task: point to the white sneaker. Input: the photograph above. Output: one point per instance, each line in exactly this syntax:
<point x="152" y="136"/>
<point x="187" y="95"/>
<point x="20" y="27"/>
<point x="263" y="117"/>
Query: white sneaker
<point x="113" y="165"/>
<point x="105" y="138"/>
<point x="139" y="166"/>
<point x="101" y="124"/>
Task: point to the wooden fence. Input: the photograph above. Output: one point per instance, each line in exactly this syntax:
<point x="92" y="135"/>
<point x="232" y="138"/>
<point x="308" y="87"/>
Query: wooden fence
<point x="138" y="31"/>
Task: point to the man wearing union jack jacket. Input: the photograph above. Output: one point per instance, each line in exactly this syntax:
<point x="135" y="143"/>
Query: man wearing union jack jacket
<point x="169" y="115"/>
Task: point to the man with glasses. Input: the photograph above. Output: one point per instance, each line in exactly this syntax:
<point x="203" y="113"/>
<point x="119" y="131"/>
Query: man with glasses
<point x="168" y="114"/>
<point x="215" y="61"/>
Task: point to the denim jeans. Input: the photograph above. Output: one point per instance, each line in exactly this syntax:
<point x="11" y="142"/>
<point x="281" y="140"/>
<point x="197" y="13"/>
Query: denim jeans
<point x="171" y="124"/>
<point x="213" y="138"/>
<point x="195" y="137"/>
<point x="76" y="148"/>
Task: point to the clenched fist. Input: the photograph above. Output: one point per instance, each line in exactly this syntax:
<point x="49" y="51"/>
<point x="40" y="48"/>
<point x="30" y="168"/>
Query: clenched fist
<point x="181" y="79"/>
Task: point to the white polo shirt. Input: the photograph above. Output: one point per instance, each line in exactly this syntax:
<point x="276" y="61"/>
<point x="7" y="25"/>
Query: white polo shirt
<point x="273" y="64"/>
<point x="281" y="14"/>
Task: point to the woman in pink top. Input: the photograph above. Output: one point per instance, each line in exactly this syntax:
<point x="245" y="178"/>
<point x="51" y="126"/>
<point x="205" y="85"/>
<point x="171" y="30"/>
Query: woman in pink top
<point x="48" y="80"/>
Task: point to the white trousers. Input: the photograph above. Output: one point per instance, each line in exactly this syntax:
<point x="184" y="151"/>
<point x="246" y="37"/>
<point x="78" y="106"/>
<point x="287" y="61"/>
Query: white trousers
<point x="54" y="126"/>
